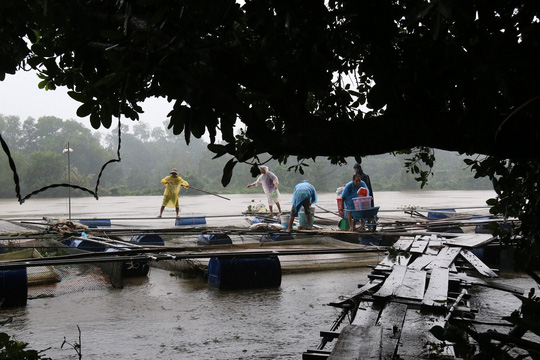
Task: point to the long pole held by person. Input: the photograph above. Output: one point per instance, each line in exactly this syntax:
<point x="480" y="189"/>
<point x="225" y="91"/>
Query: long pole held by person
<point x="208" y="192"/>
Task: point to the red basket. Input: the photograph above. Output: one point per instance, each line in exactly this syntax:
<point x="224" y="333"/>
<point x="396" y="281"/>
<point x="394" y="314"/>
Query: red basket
<point x="341" y="212"/>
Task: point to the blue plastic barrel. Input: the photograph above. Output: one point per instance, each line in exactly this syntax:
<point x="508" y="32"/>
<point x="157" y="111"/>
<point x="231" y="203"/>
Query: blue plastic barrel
<point x="93" y="223"/>
<point x="13" y="287"/>
<point x="132" y="268"/>
<point x="214" y="239"/>
<point x="275" y="237"/>
<point x="244" y="272"/>
<point x="85" y="244"/>
<point x="190" y="221"/>
<point x="439" y="214"/>
<point x="148" y="239"/>
<point x="482" y="228"/>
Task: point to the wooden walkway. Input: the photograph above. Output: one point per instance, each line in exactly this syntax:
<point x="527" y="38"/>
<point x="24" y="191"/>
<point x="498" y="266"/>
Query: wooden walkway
<point x="421" y="284"/>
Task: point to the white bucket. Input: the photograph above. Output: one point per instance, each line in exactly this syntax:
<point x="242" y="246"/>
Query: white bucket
<point x="285" y="221"/>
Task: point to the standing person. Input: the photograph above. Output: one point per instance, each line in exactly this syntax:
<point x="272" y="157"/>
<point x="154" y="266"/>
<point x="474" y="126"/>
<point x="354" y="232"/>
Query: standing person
<point x="365" y="178"/>
<point x="349" y="193"/>
<point x="172" y="183"/>
<point x="304" y="195"/>
<point x="270" y="184"/>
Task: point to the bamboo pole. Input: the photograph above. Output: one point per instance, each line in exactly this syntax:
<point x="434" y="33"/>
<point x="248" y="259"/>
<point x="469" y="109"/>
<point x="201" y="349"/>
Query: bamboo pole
<point x="208" y="192"/>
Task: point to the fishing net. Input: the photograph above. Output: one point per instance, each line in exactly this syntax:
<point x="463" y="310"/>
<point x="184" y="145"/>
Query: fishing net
<point x="69" y="279"/>
<point x="46" y="281"/>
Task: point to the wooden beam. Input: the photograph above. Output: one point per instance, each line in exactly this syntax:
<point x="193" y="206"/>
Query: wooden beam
<point x="392" y="283"/>
<point x="477" y="263"/>
<point x="416" y="335"/>
<point x="470" y="240"/>
<point x="357" y="342"/>
<point x="445" y="258"/>
<point x="413" y="285"/>
<point x="391" y="321"/>
<point x="437" y="292"/>
<point x="419" y="245"/>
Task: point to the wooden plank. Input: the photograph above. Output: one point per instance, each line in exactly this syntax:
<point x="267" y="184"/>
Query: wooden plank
<point x="403" y="244"/>
<point x="415" y="336"/>
<point x="464" y="278"/>
<point x="419" y="245"/>
<point x="445" y="258"/>
<point x="392" y="282"/>
<point x="470" y="240"/>
<point x="349" y="298"/>
<point x="367" y="316"/>
<point x="391" y="321"/>
<point x="355" y="340"/>
<point x="413" y="285"/>
<point x="315" y="355"/>
<point x="329" y="334"/>
<point x="421" y="262"/>
<point x="385" y="264"/>
<point x="389" y="261"/>
<point x="436" y="294"/>
<point x="435" y="245"/>
<point x="477" y="263"/>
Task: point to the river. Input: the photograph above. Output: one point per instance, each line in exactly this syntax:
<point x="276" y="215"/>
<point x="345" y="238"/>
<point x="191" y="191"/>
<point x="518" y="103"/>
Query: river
<point x="169" y="317"/>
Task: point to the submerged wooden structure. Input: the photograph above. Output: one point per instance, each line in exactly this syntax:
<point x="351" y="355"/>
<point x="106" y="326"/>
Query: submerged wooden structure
<point x="411" y="296"/>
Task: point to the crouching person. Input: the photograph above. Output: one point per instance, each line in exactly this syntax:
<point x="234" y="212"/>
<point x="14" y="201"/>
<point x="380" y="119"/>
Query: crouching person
<point x="304" y="195"/>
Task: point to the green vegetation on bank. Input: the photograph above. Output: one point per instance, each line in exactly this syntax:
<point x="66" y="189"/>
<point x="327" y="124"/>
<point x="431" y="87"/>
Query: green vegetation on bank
<point x="147" y="155"/>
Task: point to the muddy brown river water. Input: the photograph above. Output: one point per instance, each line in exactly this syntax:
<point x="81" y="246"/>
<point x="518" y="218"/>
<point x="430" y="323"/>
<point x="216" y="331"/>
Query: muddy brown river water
<point x="169" y="317"/>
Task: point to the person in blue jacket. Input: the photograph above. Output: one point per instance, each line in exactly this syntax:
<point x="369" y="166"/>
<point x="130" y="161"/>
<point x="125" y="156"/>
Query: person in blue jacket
<point x="349" y="193"/>
<point x="304" y="195"/>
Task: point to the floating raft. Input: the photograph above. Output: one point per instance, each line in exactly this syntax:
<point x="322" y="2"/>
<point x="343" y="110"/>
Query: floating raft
<point x="416" y="289"/>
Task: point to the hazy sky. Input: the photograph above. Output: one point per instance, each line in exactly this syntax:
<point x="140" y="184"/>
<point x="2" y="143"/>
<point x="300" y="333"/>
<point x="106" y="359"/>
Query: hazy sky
<point x="20" y="96"/>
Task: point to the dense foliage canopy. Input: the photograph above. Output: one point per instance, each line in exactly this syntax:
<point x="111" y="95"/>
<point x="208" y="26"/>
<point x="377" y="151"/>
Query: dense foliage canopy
<point x="305" y="78"/>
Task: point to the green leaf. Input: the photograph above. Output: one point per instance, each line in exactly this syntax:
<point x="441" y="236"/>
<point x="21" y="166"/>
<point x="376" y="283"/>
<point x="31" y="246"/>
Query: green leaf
<point x="85" y="109"/>
<point x="78" y="96"/>
<point x="227" y="172"/>
<point x="217" y="149"/>
<point x="94" y="121"/>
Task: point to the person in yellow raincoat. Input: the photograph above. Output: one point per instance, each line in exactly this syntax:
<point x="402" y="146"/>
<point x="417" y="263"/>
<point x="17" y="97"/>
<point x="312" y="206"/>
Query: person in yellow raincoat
<point x="172" y="183"/>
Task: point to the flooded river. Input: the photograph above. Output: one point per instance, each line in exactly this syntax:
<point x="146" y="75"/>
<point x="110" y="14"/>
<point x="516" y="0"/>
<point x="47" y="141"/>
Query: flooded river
<point x="168" y="317"/>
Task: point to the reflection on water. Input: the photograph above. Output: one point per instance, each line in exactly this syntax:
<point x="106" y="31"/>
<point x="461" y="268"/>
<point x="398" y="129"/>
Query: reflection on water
<point x="173" y="318"/>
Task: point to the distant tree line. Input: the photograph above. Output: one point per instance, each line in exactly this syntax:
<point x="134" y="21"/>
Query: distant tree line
<point x="148" y="154"/>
